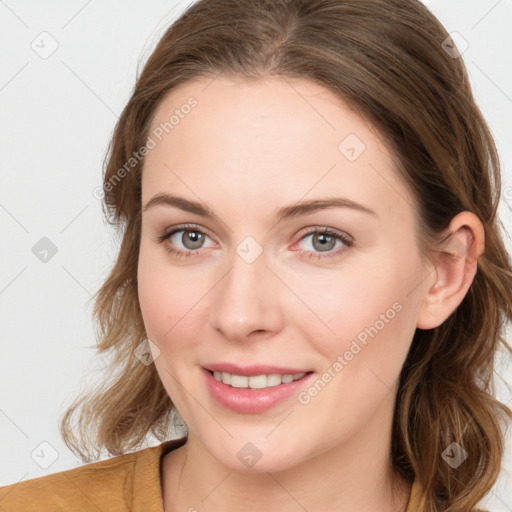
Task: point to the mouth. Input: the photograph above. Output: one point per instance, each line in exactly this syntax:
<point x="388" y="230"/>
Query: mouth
<point x="261" y="381"/>
<point x="257" y="392"/>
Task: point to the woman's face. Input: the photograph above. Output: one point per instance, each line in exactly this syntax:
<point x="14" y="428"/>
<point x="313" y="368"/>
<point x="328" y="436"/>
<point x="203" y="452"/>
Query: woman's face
<point x="258" y="282"/>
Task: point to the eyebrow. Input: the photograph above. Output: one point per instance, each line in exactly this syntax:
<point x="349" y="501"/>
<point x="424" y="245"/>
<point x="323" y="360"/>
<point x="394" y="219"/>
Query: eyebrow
<point x="284" y="213"/>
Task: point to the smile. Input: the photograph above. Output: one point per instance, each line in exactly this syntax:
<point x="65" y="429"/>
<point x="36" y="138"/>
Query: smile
<point x="256" y="381"/>
<point x="257" y="393"/>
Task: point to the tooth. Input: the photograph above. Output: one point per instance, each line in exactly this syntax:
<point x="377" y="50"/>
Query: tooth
<point x="273" y="380"/>
<point x="239" y="381"/>
<point x="258" y="381"/>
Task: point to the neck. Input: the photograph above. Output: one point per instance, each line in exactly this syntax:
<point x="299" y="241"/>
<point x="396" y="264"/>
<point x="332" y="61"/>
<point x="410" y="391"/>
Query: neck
<point x="353" y="476"/>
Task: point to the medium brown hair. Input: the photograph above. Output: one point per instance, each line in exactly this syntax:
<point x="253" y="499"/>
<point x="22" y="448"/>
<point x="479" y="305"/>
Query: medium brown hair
<point x="385" y="59"/>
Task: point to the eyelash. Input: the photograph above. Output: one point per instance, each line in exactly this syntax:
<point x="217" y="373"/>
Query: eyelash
<point x="316" y="255"/>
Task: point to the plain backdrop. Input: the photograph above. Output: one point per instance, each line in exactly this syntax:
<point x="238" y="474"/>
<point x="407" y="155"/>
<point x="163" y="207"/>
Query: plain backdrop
<point x="67" y="70"/>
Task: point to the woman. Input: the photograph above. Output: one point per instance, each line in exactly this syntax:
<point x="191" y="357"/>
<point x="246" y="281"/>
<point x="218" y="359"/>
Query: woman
<point x="311" y="256"/>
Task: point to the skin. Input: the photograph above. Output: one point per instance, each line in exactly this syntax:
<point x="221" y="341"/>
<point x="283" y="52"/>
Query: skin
<point x="247" y="149"/>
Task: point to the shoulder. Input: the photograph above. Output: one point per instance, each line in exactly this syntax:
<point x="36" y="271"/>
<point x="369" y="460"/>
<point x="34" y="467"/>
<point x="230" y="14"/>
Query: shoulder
<point x="106" y="485"/>
<point x="85" y="485"/>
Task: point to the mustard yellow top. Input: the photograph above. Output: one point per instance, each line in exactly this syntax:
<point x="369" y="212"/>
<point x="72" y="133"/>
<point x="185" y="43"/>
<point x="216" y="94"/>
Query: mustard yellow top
<point x="127" y="483"/>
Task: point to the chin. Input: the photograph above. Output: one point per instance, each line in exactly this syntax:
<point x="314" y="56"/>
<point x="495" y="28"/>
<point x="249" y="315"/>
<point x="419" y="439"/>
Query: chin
<point x="256" y="457"/>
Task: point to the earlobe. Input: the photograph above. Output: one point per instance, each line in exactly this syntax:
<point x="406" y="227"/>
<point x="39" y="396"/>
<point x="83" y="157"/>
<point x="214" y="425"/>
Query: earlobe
<point x="454" y="271"/>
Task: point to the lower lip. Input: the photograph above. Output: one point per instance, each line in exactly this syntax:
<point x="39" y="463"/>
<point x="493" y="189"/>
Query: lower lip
<point x="252" y="401"/>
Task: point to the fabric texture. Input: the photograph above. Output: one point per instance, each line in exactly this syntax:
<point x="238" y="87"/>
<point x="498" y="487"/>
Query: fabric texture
<point x="130" y="482"/>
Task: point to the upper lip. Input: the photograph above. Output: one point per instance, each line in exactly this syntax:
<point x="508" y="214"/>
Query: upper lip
<point x="258" y="369"/>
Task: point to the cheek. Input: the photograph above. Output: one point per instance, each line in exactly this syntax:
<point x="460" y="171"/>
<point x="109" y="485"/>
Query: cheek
<point x="354" y="298"/>
<point x="174" y="304"/>
<point x="365" y="313"/>
<point x="166" y="301"/>
<point x="164" y="295"/>
<point x="373" y="325"/>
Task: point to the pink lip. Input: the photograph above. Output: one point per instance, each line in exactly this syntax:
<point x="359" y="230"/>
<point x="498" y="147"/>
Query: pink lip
<point x="249" y="371"/>
<point x="253" y="401"/>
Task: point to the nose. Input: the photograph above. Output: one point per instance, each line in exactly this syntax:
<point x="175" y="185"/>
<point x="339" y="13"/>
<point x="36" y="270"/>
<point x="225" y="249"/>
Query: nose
<point x="246" y="302"/>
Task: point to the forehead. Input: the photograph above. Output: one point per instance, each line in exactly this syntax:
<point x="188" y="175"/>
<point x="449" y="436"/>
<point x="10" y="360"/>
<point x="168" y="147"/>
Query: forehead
<point x="270" y="139"/>
<point x="241" y="109"/>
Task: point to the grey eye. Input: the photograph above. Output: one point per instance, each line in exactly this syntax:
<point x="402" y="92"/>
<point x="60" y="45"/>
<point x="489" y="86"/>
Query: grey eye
<point x="191" y="239"/>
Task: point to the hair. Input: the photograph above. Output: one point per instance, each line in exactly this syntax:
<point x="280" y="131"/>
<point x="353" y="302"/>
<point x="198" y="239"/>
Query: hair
<point x="385" y="59"/>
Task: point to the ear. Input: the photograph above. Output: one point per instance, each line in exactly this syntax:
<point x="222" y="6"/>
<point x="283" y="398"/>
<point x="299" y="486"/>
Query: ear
<point x="454" y="270"/>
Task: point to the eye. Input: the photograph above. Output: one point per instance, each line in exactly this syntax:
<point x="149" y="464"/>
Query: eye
<point x="190" y="237"/>
<point x="323" y="241"/>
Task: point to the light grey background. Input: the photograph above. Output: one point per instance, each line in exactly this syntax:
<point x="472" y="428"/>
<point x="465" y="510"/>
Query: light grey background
<point x="57" y="115"/>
